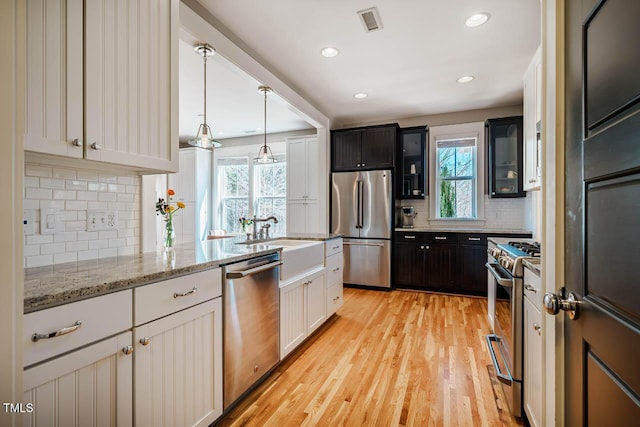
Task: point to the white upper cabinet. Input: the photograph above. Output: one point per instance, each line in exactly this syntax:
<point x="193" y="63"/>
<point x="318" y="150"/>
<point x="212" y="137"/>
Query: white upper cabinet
<point x="532" y="119"/>
<point x="108" y="93"/>
<point x="302" y="168"/>
<point x="54" y="63"/>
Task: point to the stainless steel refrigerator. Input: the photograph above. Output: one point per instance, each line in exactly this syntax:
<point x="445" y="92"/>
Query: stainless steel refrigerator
<point x="361" y="210"/>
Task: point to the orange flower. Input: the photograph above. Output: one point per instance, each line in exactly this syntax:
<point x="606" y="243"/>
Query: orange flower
<point x="171" y="192"/>
<point x="181" y="205"/>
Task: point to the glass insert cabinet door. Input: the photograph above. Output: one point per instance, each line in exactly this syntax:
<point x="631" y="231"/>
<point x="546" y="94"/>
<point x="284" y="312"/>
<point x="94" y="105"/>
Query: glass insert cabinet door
<point x="505" y="157"/>
<point x="412" y="163"/>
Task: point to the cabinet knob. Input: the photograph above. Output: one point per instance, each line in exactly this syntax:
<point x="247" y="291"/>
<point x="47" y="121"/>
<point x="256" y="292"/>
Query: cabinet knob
<point x="96" y="146"/>
<point x="363" y="165"/>
<point x="127" y="349"/>
<point x="336" y="298"/>
<point x="537" y="328"/>
<point x="421" y="246"/>
<point x="358" y="165"/>
<point x="76" y="143"/>
<point x="145" y="340"/>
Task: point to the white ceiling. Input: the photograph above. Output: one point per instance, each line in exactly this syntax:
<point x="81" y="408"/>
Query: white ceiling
<point x="234" y="105"/>
<point x="409" y="68"/>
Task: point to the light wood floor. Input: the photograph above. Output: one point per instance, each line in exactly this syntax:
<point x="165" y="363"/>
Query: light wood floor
<point x="395" y="358"/>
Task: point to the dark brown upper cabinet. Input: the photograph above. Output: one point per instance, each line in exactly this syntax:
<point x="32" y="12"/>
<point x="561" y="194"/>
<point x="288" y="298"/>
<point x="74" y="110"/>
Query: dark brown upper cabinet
<point x="505" y="163"/>
<point x="412" y="163"/>
<point x="365" y="148"/>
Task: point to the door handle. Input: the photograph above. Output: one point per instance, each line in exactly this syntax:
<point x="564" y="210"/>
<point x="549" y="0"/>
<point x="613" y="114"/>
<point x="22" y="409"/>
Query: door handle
<point x="553" y="303"/>
<point x="358" y="204"/>
<point x="244" y="273"/>
<point x="364" y="244"/>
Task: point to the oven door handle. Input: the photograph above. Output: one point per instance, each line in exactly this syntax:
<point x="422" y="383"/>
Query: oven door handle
<point x="502" y="377"/>
<point x="506" y="282"/>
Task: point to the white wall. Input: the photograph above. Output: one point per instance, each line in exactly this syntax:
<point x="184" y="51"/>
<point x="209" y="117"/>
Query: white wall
<point x="73" y="192"/>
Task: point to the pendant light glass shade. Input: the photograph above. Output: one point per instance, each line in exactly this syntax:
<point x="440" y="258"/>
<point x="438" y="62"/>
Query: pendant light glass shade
<point x="204" y="138"/>
<point x="265" y="155"/>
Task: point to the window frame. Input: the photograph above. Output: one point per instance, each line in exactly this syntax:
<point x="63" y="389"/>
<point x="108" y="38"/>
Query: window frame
<point x="462" y="131"/>
<point x="248" y="153"/>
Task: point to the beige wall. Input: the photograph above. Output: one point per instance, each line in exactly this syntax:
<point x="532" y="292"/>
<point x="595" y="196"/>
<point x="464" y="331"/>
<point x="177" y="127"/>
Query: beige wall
<point x="447" y="118"/>
<point x="11" y="171"/>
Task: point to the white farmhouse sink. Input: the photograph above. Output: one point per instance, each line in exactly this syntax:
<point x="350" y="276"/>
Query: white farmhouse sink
<point x="298" y="256"/>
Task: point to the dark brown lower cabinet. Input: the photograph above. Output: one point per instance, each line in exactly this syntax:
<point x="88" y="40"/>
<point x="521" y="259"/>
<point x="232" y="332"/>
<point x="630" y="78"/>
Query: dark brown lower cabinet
<point x="441" y="261"/>
<point x="472" y="273"/>
<point x="445" y="262"/>
<point x="410" y="265"/>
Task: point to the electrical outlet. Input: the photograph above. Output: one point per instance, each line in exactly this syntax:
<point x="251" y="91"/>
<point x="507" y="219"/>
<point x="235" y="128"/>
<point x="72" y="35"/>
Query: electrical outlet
<point x="102" y="220"/>
<point x="29" y="222"/>
<point x="50" y="222"/>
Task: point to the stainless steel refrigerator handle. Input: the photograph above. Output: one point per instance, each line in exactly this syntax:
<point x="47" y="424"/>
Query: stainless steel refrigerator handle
<point x="361" y="184"/>
<point x="244" y="273"/>
<point x="381" y="245"/>
<point x="358" y="204"/>
<point x="503" y="378"/>
<point x="508" y="283"/>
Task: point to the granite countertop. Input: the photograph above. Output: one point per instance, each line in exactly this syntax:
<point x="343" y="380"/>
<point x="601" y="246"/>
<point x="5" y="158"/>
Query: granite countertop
<point x="46" y="287"/>
<point x="533" y="264"/>
<point x="464" y="230"/>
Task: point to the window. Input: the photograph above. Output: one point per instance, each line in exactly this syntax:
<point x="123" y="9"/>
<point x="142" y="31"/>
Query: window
<point x="246" y="189"/>
<point x="456" y="161"/>
<point x="456" y="178"/>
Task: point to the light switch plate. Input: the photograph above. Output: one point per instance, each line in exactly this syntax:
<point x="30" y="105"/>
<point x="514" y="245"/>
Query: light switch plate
<point x="50" y="222"/>
<point x="102" y="220"/>
<point x="29" y="222"/>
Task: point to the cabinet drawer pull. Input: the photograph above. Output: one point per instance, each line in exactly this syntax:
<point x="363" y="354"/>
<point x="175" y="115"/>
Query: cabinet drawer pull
<point x="537" y="328"/>
<point x="336" y="298"/>
<point x="37" y="337"/>
<point x="409" y="237"/>
<point x="335" y="269"/>
<point x="531" y="288"/>
<point x="127" y="349"/>
<point x="76" y="142"/>
<point x="96" y="146"/>
<point x="441" y="238"/>
<point x="184" y="294"/>
<point x="145" y="341"/>
<point x="474" y="239"/>
<point x="336" y="247"/>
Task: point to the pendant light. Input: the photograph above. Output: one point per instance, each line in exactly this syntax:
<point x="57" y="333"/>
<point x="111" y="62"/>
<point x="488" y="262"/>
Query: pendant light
<point x="265" y="155"/>
<point x="203" y="138"/>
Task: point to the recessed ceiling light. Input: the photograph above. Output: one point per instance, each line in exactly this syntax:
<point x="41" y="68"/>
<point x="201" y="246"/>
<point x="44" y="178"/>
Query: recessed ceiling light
<point x="464" y="79"/>
<point x="329" y="52"/>
<point x="477" y="19"/>
<point x="258" y="128"/>
<point x="220" y="132"/>
<point x="360" y="95"/>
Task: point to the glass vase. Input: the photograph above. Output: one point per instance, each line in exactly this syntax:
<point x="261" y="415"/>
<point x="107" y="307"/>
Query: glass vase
<point x="169" y="241"/>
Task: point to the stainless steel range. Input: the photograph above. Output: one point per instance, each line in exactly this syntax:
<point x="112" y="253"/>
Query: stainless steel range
<point x="505" y="272"/>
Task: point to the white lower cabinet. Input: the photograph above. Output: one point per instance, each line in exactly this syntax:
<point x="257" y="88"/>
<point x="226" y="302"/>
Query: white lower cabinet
<point x="79" y="363"/>
<point x="302" y="309"/>
<point x="87" y="387"/>
<point x="533" y="356"/>
<point x="334" y="262"/>
<point x="178" y="368"/>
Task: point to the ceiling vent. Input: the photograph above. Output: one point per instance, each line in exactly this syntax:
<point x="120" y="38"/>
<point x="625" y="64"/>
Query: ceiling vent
<point x="370" y="19"/>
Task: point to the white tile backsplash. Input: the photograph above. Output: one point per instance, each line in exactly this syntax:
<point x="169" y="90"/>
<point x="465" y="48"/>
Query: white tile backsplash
<point x="507" y="214"/>
<point x="73" y="192"/>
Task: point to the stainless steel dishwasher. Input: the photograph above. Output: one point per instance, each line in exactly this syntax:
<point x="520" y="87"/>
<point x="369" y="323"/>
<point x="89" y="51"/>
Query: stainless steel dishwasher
<point x="251" y="323"/>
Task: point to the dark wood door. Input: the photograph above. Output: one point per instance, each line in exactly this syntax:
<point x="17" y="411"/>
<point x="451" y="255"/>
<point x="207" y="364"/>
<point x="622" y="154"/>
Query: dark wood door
<point x="409" y="265"/>
<point x="378" y="144"/>
<point x="441" y="259"/>
<point x="602" y="212"/>
<point x="345" y="150"/>
<point x="472" y="273"/>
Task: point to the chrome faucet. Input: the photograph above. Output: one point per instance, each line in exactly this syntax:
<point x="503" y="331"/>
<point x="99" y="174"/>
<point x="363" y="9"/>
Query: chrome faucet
<point x="264" y="229"/>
